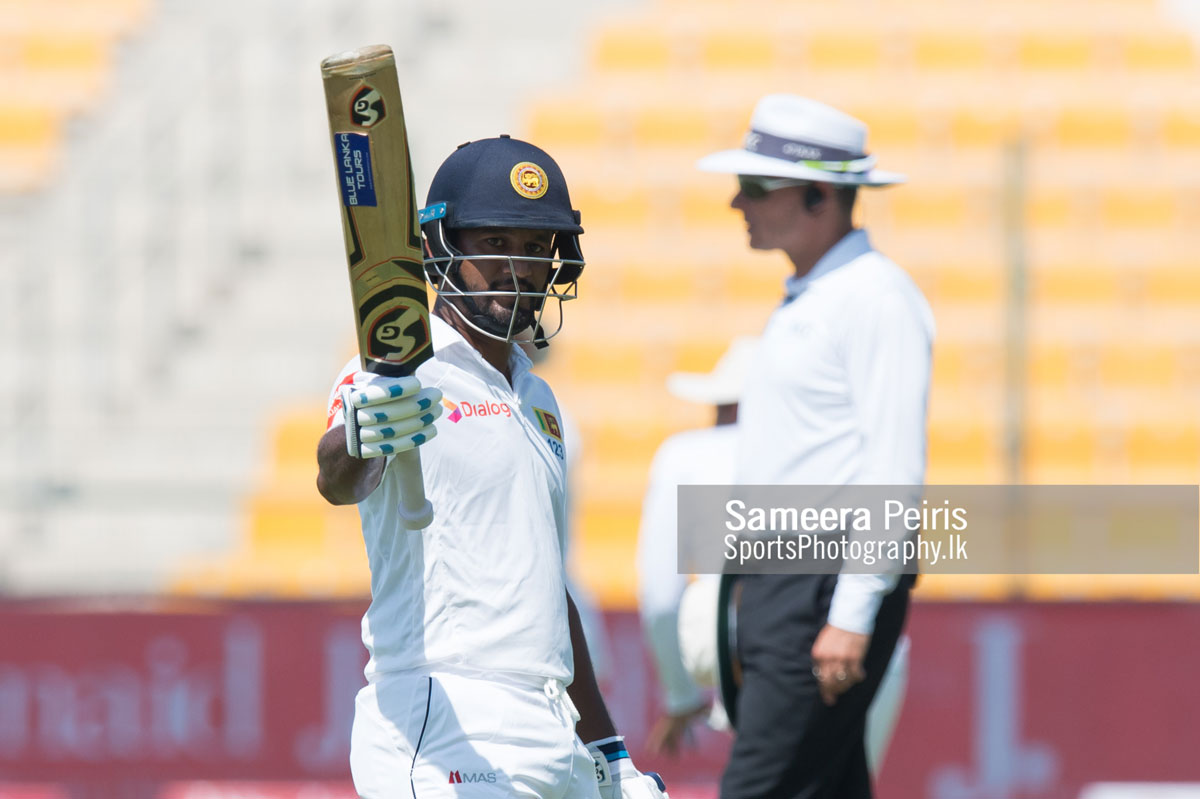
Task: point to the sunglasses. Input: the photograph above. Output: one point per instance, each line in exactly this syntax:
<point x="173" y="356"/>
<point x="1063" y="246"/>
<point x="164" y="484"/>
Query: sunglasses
<point x="755" y="187"/>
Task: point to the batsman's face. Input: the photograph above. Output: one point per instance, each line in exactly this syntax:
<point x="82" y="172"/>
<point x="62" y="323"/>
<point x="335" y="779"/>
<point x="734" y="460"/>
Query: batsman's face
<point x="777" y="220"/>
<point x="506" y="274"/>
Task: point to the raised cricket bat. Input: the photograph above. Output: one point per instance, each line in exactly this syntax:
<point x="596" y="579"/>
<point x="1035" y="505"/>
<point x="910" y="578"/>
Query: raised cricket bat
<point x="383" y="238"/>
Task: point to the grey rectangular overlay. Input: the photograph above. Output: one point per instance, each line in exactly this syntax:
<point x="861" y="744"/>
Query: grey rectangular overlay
<point x="1130" y="529"/>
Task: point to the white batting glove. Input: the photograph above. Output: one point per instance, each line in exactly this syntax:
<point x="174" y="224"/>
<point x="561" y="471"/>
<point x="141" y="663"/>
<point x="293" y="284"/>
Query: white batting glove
<point x="386" y="415"/>
<point x="617" y="776"/>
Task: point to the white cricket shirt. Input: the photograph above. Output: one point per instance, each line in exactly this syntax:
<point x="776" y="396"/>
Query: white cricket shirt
<point x="693" y="457"/>
<point x="837" y="392"/>
<point x="481" y="590"/>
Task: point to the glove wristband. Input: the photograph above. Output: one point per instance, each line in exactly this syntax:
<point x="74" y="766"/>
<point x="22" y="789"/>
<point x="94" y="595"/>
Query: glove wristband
<point x="611" y="759"/>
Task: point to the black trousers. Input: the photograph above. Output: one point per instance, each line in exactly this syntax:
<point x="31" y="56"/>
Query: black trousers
<point x="789" y="744"/>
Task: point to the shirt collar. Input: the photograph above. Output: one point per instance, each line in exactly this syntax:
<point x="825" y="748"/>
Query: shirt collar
<point x="853" y="245"/>
<point x="450" y="345"/>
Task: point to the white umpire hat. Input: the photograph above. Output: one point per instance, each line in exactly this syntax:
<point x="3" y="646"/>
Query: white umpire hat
<point x="723" y="385"/>
<point x="794" y="137"/>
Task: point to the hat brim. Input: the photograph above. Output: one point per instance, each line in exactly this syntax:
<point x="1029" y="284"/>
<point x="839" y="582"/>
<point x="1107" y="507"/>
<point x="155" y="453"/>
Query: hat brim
<point x="702" y="389"/>
<point x="742" y="162"/>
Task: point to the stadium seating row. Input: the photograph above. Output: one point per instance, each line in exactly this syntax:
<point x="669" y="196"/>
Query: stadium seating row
<point x="737" y="44"/>
<point x="56" y="59"/>
<point x="660" y="119"/>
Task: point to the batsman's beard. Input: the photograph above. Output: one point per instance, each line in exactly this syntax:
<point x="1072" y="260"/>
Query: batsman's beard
<point x="498" y="318"/>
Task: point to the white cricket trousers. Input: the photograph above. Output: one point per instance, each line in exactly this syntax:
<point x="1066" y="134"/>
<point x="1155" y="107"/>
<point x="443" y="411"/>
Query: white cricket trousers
<point x="446" y="735"/>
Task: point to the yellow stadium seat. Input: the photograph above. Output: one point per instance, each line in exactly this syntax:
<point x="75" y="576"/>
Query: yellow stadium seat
<point x="1093" y="126"/>
<point x="984" y="126"/>
<point x="1181" y="127"/>
<point x="1061" y="447"/>
<point x="960" y="587"/>
<point x="891" y="125"/>
<point x="553" y="123"/>
<point x="967" y="364"/>
<point x="1165" y="444"/>
<point x="704" y="201"/>
<point x="602" y="554"/>
<point x="25" y="126"/>
<point x="1138" y="364"/>
<point x="1113" y="587"/>
<point x="58" y="51"/>
<point x="1069" y="283"/>
<point x="844" y="49"/>
<point x="671" y="125"/>
<point x="963" y="442"/>
<point x="1059" y="50"/>
<point x="739" y="49"/>
<point x="1172" y="283"/>
<point x="642" y="280"/>
<point x="1049" y="206"/>
<point x="625" y="47"/>
<point x="971" y="283"/>
<point x="608" y="361"/>
<point x="624" y="204"/>
<point x="295" y="438"/>
<point x="939" y="206"/>
<point x="1160" y="50"/>
<point x="1146" y="207"/>
<point x="950" y="50"/>
<point x="1061" y="364"/>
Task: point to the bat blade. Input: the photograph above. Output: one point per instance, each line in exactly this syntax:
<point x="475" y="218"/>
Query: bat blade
<point x="379" y="213"/>
<point x="382" y="235"/>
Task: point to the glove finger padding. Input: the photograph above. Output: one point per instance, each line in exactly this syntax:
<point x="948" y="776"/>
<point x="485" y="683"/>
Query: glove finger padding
<point x="402" y="426"/>
<point x="385" y="448"/>
<point x="385" y="416"/>
<point x="373" y="389"/>
<point x="427" y="399"/>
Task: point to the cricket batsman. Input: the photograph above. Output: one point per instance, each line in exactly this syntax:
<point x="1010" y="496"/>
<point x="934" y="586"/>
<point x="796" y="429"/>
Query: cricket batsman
<point x="479" y="682"/>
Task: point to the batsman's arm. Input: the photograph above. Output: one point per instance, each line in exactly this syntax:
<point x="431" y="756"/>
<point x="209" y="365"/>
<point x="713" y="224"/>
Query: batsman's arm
<point x="341" y="478"/>
<point x="594" y="721"/>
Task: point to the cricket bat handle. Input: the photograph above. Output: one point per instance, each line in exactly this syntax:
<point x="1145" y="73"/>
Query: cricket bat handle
<point x="416" y="511"/>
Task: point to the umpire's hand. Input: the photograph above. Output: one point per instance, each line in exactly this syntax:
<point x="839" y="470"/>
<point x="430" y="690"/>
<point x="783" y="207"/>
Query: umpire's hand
<point x="838" y="661"/>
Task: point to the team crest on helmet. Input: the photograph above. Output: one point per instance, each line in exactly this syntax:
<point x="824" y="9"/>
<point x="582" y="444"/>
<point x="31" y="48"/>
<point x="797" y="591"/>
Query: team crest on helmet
<point x="529" y="180"/>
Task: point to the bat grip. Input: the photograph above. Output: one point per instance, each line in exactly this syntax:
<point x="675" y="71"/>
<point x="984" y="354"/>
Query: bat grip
<point x="415" y="510"/>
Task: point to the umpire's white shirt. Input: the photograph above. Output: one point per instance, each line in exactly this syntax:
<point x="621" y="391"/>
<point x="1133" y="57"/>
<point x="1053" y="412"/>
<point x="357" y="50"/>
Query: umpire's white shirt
<point x="480" y="591"/>
<point x="838" y="390"/>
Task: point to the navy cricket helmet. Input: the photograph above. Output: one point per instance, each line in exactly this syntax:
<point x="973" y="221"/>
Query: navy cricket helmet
<point x="502" y="183"/>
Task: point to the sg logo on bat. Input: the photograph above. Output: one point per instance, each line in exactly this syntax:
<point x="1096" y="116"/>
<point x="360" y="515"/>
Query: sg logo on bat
<point x="367" y="108"/>
<point x="394" y="322"/>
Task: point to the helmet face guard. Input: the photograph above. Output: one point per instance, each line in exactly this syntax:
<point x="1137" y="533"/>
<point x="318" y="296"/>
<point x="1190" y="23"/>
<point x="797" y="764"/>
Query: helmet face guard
<point x="502" y="183"/>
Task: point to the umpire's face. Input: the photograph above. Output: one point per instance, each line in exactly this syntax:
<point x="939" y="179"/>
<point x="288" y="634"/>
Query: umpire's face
<point x="776" y="220"/>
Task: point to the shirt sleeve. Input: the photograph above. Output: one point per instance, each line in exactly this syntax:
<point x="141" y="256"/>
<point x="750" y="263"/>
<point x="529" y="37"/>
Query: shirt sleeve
<point x="660" y="587"/>
<point x="888" y="361"/>
<point x="333" y="408"/>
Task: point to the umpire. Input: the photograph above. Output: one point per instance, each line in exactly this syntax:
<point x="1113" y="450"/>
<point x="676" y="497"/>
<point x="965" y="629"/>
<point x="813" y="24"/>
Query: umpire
<point x="836" y="395"/>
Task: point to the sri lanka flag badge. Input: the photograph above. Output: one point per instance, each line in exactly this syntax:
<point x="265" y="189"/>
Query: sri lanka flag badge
<point x="548" y="423"/>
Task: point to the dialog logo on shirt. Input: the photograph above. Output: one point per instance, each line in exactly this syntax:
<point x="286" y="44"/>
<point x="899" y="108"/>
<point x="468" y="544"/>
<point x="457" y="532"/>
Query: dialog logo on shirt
<point x="457" y="777"/>
<point x="458" y="411"/>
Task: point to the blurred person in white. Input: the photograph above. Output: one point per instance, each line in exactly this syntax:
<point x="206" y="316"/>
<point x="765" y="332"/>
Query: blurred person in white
<point x="678" y="615"/>
<point x="836" y="395"/>
<point x="477" y="660"/>
<point x="692" y="457"/>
